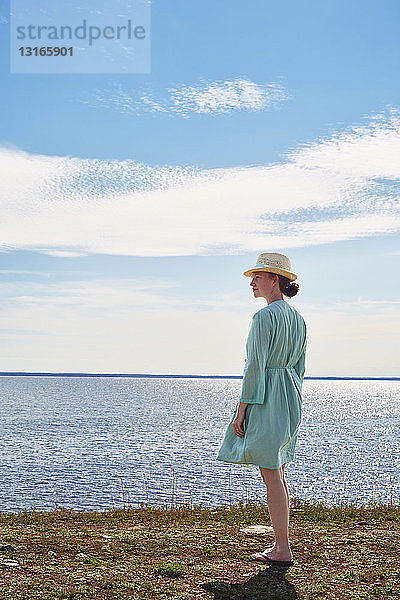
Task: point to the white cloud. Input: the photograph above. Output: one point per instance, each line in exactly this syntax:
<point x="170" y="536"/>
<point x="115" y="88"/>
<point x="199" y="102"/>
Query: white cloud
<point x="226" y="96"/>
<point x="98" y="294"/>
<point x="208" y="97"/>
<point x="65" y="253"/>
<point x="353" y="153"/>
<point x="23" y="272"/>
<point x="340" y="188"/>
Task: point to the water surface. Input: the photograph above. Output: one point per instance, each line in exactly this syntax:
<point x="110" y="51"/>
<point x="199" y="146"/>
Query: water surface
<point x="95" y="442"/>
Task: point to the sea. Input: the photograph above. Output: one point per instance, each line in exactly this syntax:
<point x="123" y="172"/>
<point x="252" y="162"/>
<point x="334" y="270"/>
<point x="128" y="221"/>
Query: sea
<point x="100" y="442"/>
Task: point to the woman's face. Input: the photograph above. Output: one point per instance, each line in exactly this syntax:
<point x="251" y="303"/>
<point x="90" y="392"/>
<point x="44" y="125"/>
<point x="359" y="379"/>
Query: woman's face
<point x="262" y="284"/>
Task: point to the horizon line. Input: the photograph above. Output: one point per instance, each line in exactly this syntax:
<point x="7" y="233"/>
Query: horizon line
<point x="168" y="375"/>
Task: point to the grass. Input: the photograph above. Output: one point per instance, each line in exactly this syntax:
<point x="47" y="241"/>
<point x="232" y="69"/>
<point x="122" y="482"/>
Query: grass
<point x="191" y="552"/>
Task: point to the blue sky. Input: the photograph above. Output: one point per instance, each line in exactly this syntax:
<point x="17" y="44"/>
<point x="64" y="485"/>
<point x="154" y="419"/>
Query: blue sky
<point x="133" y="203"/>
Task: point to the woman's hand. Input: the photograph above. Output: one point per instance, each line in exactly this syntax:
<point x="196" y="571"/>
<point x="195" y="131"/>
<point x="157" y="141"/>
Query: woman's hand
<point x="238" y="421"/>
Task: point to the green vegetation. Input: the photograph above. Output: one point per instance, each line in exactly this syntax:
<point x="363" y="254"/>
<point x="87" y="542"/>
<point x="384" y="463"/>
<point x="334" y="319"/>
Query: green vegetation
<point x="192" y="552"/>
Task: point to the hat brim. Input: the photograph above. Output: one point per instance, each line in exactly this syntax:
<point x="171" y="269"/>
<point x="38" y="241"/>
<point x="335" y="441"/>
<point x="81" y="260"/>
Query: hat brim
<point x="277" y="270"/>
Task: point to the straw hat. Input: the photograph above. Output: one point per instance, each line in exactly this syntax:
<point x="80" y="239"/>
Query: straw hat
<point x="272" y="262"/>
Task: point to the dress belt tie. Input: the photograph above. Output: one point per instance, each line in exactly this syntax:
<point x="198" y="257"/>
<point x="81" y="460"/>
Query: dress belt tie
<point x="288" y="367"/>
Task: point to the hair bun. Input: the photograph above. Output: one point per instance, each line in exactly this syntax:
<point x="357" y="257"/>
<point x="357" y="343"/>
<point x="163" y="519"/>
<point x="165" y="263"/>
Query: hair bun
<point x="287" y="287"/>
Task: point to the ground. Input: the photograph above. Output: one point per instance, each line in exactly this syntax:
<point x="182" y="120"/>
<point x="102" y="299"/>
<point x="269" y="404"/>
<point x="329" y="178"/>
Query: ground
<point x="184" y="552"/>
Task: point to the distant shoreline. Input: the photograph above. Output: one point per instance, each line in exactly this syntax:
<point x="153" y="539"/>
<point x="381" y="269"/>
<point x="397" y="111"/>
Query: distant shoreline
<point x="151" y="375"/>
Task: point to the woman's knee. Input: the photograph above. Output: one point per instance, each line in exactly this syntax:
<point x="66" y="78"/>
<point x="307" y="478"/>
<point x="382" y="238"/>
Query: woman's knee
<point x="271" y="475"/>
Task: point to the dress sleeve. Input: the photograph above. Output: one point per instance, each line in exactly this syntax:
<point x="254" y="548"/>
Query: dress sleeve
<point x="253" y="384"/>
<point x="301" y="364"/>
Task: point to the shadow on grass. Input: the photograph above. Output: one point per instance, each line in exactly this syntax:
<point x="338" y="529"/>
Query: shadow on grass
<point x="269" y="584"/>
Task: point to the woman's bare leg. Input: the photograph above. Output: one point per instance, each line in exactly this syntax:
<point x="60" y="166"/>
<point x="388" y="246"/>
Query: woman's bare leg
<point x="273" y="546"/>
<point x="278" y="508"/>
<point x="286" y="486"/>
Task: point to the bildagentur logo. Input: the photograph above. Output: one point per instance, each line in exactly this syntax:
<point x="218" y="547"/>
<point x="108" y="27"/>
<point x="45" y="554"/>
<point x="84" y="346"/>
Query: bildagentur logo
<point x="49" y="33"/>
<point x="94" y="36"/>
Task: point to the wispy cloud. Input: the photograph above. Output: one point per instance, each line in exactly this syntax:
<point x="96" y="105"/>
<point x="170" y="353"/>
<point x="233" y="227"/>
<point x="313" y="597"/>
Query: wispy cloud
<point x="23" y="272"/>
<point x="338" y="188"/>
<point x="95" y="294"/>
<point x="65" y="253"/>
<point x="215" y="97"/>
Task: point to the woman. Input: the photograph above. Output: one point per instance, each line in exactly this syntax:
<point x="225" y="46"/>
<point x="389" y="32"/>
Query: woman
<point x="263" y="430"/>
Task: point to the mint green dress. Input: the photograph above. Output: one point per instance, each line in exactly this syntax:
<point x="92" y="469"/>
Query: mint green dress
<point x="272" y="388"/>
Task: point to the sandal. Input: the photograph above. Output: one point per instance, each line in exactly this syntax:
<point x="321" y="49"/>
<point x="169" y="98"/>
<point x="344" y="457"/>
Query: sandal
<point x="261" y="557"/>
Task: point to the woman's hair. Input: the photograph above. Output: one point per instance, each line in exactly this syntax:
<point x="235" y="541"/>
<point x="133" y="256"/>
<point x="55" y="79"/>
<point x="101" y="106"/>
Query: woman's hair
<point x="287" y="287"/>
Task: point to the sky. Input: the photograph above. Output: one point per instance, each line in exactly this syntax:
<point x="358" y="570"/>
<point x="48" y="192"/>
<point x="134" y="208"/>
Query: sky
<point x="132" y="203"/>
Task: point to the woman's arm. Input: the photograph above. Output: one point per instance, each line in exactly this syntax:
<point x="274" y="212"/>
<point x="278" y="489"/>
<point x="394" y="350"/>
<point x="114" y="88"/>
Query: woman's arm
<point x="300" y="366"/>
<point x="253" y="384"/>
